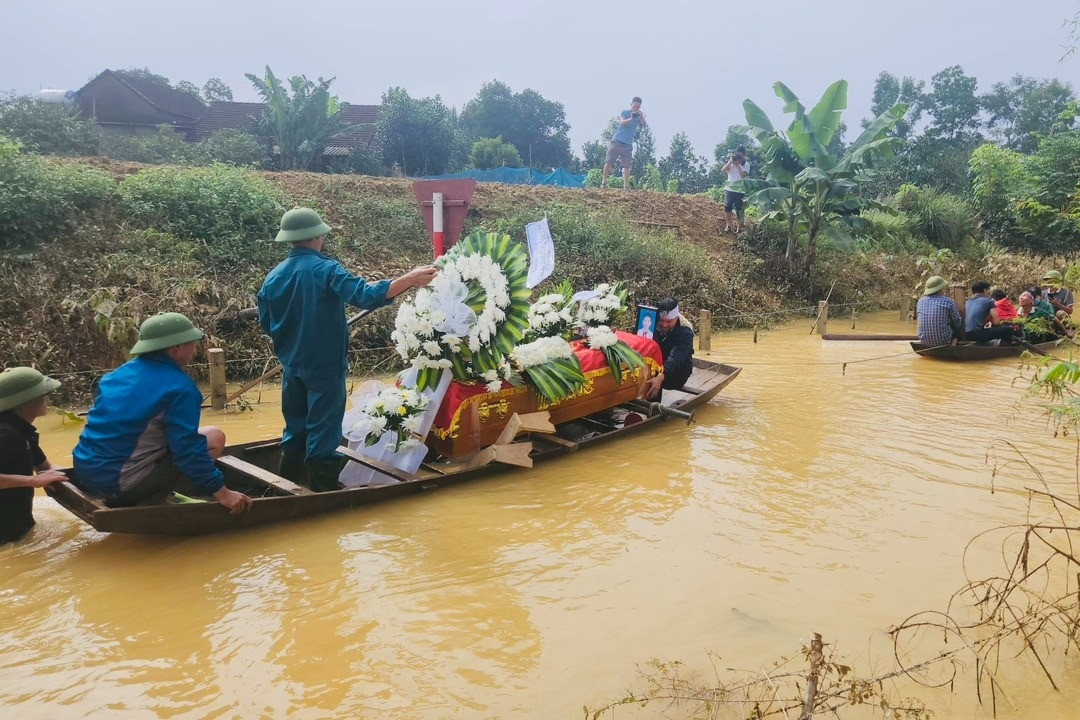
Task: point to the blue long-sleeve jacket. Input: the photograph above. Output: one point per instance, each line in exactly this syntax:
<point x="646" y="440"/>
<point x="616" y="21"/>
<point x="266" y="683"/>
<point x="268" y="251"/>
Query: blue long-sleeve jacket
<point x="302" y="309"/>
<point x="145" y="409"/>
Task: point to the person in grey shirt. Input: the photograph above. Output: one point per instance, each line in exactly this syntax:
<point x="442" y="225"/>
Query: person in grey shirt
<point x="621" y="146"/>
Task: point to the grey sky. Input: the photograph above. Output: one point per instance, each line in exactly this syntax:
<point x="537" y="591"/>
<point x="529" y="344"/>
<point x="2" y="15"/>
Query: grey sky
<point x="692" y="62"/>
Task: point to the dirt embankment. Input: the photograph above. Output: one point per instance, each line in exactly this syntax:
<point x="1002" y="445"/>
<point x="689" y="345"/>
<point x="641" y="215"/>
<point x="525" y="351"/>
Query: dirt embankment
<point x="74" y="303"/>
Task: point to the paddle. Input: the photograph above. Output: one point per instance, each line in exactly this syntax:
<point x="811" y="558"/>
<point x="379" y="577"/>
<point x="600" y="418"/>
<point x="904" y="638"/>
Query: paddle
<point x="1032" y="348"/>
<point x="274" y="371"/>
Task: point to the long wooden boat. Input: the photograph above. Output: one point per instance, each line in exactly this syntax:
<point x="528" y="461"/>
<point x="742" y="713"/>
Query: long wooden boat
<point x="250" y="468"/>
<point x="969" y="351"/>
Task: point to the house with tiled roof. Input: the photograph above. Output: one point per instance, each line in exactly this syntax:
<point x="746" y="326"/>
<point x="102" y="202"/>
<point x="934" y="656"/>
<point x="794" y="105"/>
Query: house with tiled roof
<point x="139" y="105"/>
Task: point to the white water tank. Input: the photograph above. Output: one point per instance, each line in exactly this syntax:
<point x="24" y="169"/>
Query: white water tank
<point x="61" y="97"/>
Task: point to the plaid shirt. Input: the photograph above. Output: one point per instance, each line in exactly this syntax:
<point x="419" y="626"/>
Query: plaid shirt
<point x="938" y="320"/>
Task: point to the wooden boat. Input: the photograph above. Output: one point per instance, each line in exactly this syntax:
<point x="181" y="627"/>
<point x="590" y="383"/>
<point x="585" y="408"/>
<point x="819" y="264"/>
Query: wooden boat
<point x="968" y="351"/>
<point x="868" y="336"/>
<point x="249" y="467"/>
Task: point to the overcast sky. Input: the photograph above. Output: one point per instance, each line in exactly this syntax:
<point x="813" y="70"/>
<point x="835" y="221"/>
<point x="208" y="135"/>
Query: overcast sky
<point x="692" y="62"/>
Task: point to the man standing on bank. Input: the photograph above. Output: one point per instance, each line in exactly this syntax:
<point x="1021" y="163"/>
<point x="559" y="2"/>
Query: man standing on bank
<point x="142" y="437"/>
<point x="302" y="308"/>
<point x="675" y="337"/>
<point x="737" y="169"/>
<point x="622" y="144"/>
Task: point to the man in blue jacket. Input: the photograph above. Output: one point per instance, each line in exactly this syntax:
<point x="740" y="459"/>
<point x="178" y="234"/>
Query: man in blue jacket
<point x="142" y="436"/>
<point x="302" y="308"/>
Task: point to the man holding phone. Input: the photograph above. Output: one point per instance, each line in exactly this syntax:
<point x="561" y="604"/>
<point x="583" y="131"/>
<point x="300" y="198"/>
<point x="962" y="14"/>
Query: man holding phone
<point x="621" y="147"/>
<point x="737" y="169"/>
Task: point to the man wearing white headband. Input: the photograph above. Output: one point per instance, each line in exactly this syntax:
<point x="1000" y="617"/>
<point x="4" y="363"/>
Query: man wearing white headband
<point x="676" y="339"/>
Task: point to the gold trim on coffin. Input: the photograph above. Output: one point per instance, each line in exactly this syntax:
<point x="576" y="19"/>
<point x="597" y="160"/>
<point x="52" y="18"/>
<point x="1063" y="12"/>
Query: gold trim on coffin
<point x="499" y="402"/>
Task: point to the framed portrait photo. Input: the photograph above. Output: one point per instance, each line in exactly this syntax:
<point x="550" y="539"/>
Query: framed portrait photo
<point x="646" y="321"/>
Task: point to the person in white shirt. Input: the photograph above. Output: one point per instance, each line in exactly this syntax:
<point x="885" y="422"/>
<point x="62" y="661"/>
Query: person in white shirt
<point x="737" y="169"/>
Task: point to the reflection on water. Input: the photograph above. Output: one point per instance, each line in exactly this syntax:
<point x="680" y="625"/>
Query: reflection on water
<point x="809" y="495"/>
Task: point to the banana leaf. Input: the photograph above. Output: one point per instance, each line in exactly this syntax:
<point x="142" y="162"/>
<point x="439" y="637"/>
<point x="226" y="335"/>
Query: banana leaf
<point x="621" y="355"/>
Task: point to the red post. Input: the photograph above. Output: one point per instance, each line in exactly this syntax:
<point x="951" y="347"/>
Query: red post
<point x="437" y="224"/>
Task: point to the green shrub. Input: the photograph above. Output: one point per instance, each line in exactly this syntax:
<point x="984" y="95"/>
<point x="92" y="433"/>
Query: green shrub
<point x="998" y="180"/>
<point x="47" y="128"/>
<point x="40" y="198"/>
<point x="942" y="219"/>
<point x="235" y="147"/>
<point x="488" y="153"/>
<point x="890" y="233"/>
<point x="381" y="228"/>
<point x="166" y="146"/>
<point x="232" y="211"/>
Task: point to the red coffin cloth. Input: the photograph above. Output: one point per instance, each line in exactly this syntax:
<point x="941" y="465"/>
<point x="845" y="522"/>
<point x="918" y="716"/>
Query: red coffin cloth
<point x="590" y="360"/>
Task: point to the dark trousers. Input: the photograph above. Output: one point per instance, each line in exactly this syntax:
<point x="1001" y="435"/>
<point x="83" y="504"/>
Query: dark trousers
<point x="313" y="410"/>
<point x="998" y="332"/>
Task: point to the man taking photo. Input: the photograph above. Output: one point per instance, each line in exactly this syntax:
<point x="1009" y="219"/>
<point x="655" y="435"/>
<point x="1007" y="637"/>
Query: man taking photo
<point x="621" y="147"/>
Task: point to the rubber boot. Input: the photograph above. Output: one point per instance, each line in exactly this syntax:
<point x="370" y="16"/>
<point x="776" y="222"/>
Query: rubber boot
<point x="292" y="468"/>
<point x="324" y="474"/>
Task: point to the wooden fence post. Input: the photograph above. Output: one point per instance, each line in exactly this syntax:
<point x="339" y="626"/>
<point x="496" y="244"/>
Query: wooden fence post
<point x="705" y="330"/>
<point x="755" y="334"/>
<point x="959" y="296"/>
<point x="905" y="309"/>
<point x="218" y="391"/>
<point x="823" y="317"/>
<point x="852" y="317"/>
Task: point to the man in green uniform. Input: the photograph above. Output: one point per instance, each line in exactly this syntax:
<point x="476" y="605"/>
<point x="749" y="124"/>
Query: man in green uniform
<point x="302" y="308"/>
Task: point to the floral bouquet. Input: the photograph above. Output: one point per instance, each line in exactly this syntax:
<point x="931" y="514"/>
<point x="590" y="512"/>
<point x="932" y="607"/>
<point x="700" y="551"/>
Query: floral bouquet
<point x="595" y="317"/>
<point x="604" y="308"/>
<point x="617" y="353"/>
<point x="396" y="410"/>
<point x="471" y="316"/>
<point x="551" y="366"/>
<point x="552" y="315"/>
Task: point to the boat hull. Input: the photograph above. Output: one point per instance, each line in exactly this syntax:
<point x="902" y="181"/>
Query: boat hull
<point x="967" y="352"/>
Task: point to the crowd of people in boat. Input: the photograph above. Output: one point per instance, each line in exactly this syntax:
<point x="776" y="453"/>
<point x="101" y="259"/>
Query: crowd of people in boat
<point x="1042" y="313"/>
<point x="142" y="439"/>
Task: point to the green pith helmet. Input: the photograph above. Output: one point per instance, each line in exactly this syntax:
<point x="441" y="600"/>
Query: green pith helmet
<point x="1052" y="276"/>
<point x="935" y="284"/>
<point x="163" y="331"/>
<point x="22" y="384"/>
<point x="301" y="224"/>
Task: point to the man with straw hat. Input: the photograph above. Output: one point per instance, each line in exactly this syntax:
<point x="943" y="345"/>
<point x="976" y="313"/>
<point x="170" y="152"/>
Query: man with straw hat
<point x="23" y="467"/>
<point x="142" y="437"/>
<point x="302" y="308"/>
<point x="939" y="318"/>
<point x="1059" y="297"/>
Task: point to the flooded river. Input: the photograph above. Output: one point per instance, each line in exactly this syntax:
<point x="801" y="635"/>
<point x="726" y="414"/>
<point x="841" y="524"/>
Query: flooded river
<point x="807" y="496"/>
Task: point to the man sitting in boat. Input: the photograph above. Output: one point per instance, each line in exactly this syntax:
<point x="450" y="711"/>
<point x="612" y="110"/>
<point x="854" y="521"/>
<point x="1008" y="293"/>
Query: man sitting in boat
<point x="302" y="309"/>
<point x="675" y="336"/>
<point x="939" y="318"/>
<point x="1047" y="327"/>
<point x="982" y="322"/>
<point x="1060" y="298"/>
<point x="142" y="437"/>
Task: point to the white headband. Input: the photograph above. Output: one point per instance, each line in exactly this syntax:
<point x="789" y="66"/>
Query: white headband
<point x="670" y="314"/>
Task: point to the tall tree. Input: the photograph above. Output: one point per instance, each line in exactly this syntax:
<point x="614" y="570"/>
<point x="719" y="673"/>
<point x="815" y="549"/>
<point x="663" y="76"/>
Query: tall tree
<point x="215" y="90"/>
<point x="416" y="134"/>
<point x="890" y="90"/>
<point x="952" y="104"/>
<point x="534" y="125"/>
<point x="684" y="165"/>
<point x="299" y="124"/>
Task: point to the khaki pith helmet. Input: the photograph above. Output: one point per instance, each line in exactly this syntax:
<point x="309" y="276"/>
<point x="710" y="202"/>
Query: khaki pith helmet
<point x="163" y="331"/>
<point x="23" y="384"/>
<point x="935" y="284"/>
<point x="301" y="224"/>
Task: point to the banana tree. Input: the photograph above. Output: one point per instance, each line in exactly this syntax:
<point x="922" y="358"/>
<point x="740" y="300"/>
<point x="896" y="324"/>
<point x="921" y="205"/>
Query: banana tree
<point x="299" y="125"/>
<point x="814" y="191"/>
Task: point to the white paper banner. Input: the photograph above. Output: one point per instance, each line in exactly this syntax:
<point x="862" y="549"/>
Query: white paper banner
<point x="541" y="251"/>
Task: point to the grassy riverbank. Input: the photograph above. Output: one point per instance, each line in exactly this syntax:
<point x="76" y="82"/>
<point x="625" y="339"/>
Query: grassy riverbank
<point x="91" y="247"/>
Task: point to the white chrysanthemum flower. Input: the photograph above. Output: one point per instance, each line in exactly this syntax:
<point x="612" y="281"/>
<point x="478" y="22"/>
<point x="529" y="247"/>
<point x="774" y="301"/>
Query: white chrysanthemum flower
<point x="494" y="386"/>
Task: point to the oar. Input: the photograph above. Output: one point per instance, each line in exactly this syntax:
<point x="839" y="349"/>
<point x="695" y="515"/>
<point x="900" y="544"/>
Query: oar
<point x="274" y="371"/>
<point x="1032" y="348"/>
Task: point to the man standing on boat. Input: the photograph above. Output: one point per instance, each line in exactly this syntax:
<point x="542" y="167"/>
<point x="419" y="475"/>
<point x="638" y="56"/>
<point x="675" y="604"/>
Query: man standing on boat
<point x="676" y="339"/>
<point x="142" y="436"/>
<point x="302" y="308"/>
<point x="939" y="318"/>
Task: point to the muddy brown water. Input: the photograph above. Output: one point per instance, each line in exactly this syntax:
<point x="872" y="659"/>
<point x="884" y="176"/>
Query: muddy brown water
<point x="806" y="497"/>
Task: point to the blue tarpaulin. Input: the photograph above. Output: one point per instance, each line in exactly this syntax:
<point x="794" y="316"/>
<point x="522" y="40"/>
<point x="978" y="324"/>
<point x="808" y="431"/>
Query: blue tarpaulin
<point x="517" y="176"/>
